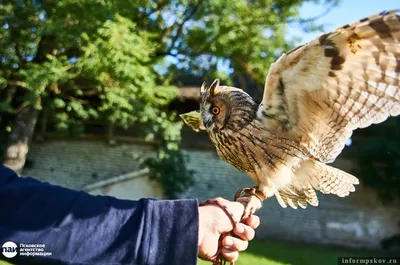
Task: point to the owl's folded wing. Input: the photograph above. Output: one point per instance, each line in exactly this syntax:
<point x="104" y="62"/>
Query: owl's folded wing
<point x="341" y="81"/>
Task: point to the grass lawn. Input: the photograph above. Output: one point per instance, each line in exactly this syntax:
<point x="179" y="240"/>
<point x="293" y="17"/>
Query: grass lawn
<point x="278" y="253"/>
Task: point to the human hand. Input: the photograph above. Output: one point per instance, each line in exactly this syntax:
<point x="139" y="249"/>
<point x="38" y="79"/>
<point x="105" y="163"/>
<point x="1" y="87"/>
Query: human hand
<point x="213" y="222"/>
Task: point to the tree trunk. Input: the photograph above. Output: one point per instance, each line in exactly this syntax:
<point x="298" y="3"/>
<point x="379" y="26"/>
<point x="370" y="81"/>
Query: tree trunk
<point x="6" y="97"/>
<point x="23" y="125"/>
<point x="19" y="138"/>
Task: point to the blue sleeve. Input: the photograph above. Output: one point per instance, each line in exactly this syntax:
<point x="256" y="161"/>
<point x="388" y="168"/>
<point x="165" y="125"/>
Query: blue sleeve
<point x="79" y="228"/>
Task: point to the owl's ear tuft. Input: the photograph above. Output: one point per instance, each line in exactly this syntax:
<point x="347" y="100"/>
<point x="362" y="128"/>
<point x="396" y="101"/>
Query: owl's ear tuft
<point x="194" y="120"/>
<point x="203" y="87"/>
<point x="213" y="86"/>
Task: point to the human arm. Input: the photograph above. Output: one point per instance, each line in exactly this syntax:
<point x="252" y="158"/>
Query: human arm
<point x="79" y="228"/>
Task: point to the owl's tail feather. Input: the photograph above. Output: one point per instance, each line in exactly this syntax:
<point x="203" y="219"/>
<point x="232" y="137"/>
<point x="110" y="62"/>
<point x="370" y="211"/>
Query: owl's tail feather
<point x="295" y="198"/>
<point x="327" y="179"/>
<point x="315" y="175"/>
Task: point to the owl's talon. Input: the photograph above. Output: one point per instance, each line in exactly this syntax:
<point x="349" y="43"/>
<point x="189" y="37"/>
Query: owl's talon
<point x="251" y="198"/>
<point x="251" y="205"/>
<point x="253" y="191"/>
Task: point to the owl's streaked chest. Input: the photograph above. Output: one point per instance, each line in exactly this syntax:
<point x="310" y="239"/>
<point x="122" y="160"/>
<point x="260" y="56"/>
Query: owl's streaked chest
<point x="232" y="147"/>
<point x="253" y="148"/>
<point x="241" y="148"/>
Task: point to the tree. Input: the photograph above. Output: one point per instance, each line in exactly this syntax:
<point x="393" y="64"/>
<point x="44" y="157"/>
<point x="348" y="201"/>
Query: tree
<point x="376" y="150"/>
<point x="76" y="60"/>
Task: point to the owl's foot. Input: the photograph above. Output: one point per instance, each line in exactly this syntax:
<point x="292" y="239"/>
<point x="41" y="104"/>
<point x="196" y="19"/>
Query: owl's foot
<point x="251" y="198"/>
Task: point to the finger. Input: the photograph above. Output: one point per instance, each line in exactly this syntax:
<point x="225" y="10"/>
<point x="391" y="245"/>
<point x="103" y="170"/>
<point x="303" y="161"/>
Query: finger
<point x="234" y="243"/>
<point x="245" y="232"/>
<point x="253" y="221"/>
<point x="230" y="255"/>
<point x="235" y="208"/>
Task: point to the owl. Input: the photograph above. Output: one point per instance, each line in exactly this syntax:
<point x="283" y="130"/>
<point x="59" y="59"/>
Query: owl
<point x="314" y="97"/>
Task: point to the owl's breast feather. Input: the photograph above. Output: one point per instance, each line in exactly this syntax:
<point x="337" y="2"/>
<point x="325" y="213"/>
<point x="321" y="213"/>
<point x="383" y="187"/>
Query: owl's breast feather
<point x="255" y="148"/>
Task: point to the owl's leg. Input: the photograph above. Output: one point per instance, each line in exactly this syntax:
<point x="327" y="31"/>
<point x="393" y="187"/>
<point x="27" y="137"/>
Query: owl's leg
<point x="267" y="188"/>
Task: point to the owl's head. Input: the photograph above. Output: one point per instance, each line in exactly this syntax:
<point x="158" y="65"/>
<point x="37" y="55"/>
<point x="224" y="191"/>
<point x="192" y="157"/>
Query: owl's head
<point x="222" y="107"/>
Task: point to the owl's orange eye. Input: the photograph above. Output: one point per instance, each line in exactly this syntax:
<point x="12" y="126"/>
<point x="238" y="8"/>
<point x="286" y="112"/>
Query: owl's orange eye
<point x="215" y="110"/>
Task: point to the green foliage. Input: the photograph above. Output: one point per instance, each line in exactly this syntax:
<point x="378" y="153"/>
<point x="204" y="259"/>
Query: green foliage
<point x="168" y="169"/>
<point x="80" y="60"/>
<point x="246" y="36"/>
<point x="376" y="150"/>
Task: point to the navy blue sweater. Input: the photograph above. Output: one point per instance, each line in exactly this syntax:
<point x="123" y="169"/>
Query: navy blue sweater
<point x="79" y="228"/>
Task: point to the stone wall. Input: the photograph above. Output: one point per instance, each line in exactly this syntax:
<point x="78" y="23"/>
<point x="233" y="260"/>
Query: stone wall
<point x="359" y="220"/>
<point x="131" y="186"/>
<point x="78" y="163"/>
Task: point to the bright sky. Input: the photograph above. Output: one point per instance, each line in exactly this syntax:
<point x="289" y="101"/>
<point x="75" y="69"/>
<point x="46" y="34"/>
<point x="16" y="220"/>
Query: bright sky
<point x="346" y="12"/>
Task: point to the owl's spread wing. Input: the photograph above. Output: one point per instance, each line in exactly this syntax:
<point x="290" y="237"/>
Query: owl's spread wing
<point x="341" y="81"/>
